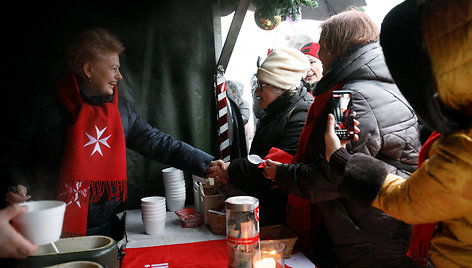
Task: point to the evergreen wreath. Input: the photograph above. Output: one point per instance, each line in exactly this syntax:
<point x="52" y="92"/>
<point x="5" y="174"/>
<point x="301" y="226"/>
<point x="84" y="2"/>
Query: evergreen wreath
<point x="283" y="8"/>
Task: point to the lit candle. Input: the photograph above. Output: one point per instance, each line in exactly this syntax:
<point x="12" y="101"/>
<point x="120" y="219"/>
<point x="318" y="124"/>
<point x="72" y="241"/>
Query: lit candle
<point x="265" y="263"/>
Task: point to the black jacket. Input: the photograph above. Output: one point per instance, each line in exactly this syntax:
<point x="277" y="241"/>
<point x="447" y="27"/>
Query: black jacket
<point x="361" y="236"/>
<point x="280" y="127"/>
<point x="33" y="154"/>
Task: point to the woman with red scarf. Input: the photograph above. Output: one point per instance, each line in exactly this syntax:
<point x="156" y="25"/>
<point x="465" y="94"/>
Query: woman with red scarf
<point x="74" y="148"/>
<point x="357" y="236"/>
<point x="436" y="40"/>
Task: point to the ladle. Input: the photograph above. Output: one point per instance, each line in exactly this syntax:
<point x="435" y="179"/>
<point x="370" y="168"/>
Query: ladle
<point x="255" y="159"/>
<point x="54" y="246"/>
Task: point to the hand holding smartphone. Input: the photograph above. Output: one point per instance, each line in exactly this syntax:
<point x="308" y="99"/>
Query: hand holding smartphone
<point x="341" y="101"/>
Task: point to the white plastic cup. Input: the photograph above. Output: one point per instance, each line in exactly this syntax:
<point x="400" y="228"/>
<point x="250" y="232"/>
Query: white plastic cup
<point x="42" y="223"/>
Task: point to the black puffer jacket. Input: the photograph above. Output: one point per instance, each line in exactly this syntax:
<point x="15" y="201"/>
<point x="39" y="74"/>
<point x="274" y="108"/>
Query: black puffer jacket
<point x="361" y="236"/>
<point x="33" y="155"/>
<point x="280" y="127"/>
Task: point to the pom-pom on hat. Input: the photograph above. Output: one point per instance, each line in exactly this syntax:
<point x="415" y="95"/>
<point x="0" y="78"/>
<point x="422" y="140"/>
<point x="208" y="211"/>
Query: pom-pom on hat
<point x="311" y="48"/>
<point x="283" y="68"/>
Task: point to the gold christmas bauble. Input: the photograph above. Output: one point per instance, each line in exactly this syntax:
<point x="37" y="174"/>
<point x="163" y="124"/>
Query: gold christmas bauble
<point x="266" y="23"/>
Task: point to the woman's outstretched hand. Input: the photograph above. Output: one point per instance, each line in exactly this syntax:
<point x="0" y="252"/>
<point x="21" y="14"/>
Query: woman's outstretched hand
<point x="218" y="170"/>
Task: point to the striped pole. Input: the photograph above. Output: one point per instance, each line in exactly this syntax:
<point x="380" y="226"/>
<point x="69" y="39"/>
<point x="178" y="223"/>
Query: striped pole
<point x="223" y="131"/>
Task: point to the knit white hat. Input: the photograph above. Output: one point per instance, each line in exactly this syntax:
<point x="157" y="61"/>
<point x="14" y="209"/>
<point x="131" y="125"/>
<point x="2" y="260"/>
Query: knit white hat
<point x="284" y="68"/>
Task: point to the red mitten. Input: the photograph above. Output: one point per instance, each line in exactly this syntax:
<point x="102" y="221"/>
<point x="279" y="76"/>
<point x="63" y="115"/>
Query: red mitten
<point x="278" y="155"/>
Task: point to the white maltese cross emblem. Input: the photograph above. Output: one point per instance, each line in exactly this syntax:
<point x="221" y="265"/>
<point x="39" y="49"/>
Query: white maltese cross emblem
<point x="97" y="141"/>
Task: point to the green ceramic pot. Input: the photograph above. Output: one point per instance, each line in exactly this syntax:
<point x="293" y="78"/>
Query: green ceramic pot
<point x="99" y="249"/>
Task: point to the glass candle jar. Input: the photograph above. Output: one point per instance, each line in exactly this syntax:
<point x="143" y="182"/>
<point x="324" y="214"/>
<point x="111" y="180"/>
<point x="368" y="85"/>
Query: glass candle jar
<point x="242" y="230"/>
<point x="271" y="255"/>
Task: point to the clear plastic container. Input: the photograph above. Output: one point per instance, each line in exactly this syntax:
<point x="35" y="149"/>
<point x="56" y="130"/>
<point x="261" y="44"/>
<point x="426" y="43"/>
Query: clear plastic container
<point x="242" y="230"/>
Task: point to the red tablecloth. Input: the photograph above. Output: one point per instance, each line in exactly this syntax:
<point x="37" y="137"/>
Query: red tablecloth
<point x="208" y="254"/>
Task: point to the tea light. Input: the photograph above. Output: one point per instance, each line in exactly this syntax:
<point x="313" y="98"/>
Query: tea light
<point x="270" y="255"/>
<point x="265" y="263"/>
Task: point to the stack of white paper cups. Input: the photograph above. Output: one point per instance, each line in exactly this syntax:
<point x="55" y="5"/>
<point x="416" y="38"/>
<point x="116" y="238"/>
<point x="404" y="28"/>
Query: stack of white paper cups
<point x="153" y="213"/>
<point x="174" y="184"/>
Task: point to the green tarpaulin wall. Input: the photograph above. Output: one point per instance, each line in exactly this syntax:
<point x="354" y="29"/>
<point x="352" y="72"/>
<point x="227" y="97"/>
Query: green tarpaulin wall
<point x="167" y="67"/>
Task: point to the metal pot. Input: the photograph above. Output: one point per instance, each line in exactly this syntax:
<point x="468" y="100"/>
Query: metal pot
<point x="99" y="249"/>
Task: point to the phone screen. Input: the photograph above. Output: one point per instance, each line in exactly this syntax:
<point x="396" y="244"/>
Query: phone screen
<point x="343" y="114"/>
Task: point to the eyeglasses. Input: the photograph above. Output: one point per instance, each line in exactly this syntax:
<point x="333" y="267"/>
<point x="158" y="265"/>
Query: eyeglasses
<point x="260" y="86"/>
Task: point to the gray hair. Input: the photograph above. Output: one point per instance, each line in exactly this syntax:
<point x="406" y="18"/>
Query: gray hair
<point x="293" y="90"/>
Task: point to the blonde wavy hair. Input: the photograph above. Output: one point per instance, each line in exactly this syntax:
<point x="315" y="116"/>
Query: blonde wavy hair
<point x="346" y="31"/>
<point x="89" y="45"/>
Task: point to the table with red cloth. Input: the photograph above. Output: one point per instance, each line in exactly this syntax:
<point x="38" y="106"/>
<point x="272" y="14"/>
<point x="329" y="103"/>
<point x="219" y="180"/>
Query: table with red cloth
<point x="180" y="247"/>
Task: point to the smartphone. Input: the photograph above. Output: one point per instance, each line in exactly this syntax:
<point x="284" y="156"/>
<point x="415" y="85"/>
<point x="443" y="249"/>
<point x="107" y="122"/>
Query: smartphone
<point x="343" y="114"/>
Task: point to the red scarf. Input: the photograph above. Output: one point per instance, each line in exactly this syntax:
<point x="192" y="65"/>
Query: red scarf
<point x="299" y="210"/>
<point x="94" y="157"/>
<point x="313" y="113"/>
<point x="423" y="233"/>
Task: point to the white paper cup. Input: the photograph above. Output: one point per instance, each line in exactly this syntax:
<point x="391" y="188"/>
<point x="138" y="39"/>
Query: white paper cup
<point x="42" y="223"/>
<point x="154" y="227"/>
<point x="173" y="176"/>
<point x="150" y="200"/>
<point x="176" y="192"/>
<point x="154" y="213"/>
<point x="176" y="197"/>
<point x="153" y="206"/>
<point x="176" y="204"/>
<point x="180" y="189"/>
<point x="176" y="182"/>
<point x="153" y="218"/>
<point x="175" y="189"/>
<point x="155" y="209"/>
<point x="172" y="170"/>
